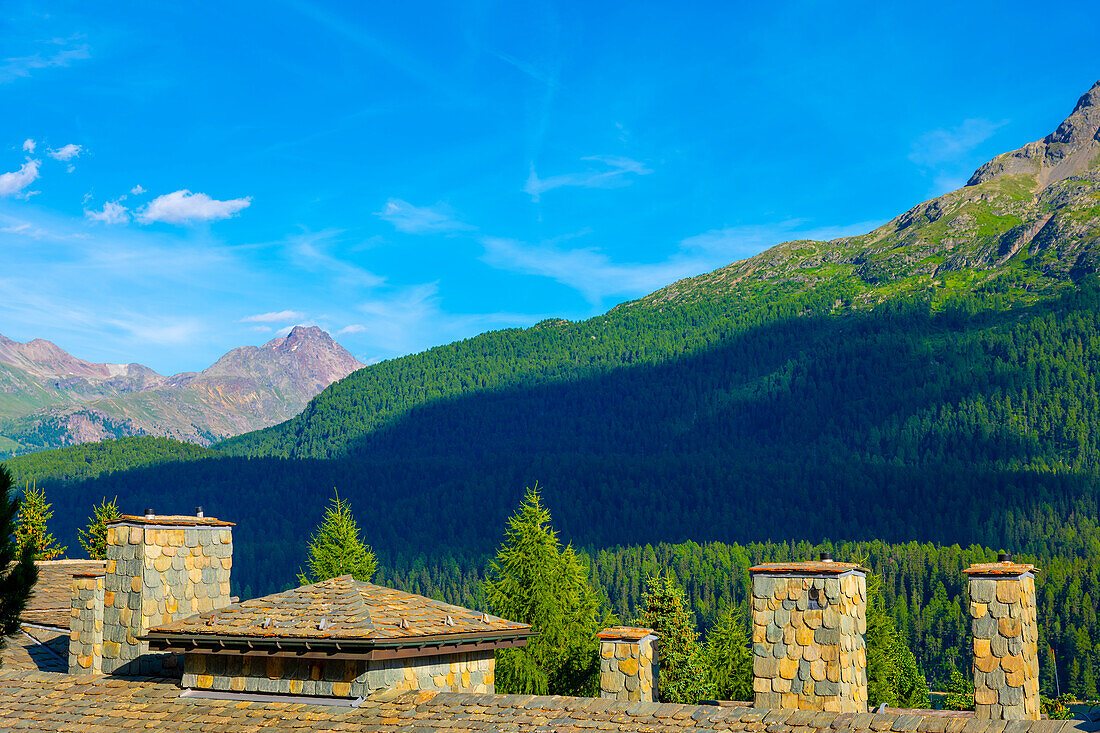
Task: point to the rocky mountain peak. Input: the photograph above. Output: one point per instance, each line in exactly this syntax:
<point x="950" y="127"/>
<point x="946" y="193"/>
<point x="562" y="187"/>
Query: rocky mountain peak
<point x="1071" y="149"/>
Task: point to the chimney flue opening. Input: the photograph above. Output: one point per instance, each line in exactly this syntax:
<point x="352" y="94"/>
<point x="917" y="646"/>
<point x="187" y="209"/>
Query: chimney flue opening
<point x="1004" y="557"/>
<point x="826" y="557"/>
<point x="149" y="514"/>
<point x="198" y="511"/>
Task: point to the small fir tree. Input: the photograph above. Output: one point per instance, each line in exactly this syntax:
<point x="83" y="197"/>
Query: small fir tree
<point x="535" y="581"/>
<point x="893" y="676"/>
<point x="960" y="692"/>
<point x="683" y="676"/>
<point x="31" y="529"/>
<point x="94" y="537"/>
<point x="18" y="572"/>
<point x="336" y="548"/>
<point x="727" y="657"/>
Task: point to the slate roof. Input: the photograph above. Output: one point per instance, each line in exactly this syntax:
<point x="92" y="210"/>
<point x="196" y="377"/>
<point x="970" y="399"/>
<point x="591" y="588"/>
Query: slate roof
<point x="36" y="700"/>
<point x="625" y="633"/>
<point x="343" y="608"/>
<point x="50" y="599"/>
<point x="814" y="566"/>
<point x="1000" y="568"/>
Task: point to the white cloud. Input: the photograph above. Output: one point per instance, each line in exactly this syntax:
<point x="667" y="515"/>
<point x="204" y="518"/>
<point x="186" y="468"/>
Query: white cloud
<point x="22" y="66"/>
<point x="28" y="146"/>
<point x="184" y="207"/>
<point x="112" y="213"/>
<point x="951" y="145"/>
<point x="353" y="328"/>
<point x="615" y="172"/>
<point x="137" y="190"/>
<point x="15" y="181"/>
<point x="274" y="317"/>
<point x="314" y="252"/>
<point x="155" y="330"/>
<point x="66" y="152"/>
<point x="420" y="219"/>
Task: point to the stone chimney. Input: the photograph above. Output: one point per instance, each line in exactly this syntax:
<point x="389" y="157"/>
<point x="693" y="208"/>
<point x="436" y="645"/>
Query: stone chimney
<point x="808" y="624"/>
<point x="1006" y="635"/>
<point x="628" y="664"/>
<point x="159" y="568"/>
<point x="86" y="624"/>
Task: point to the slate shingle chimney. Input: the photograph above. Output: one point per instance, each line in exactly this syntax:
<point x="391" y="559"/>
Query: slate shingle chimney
<point x="628" y="664"/>
<point x="808" y="624"/>
<point x="159" y="568"/>
<point x="1006" y="634"/>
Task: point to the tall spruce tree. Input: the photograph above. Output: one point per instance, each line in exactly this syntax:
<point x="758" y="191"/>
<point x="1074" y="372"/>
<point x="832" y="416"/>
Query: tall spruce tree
<point x="31" y="530"/>
<point x="18" y="572"/>
<point x="93" y="538"/>
<point x="892" y="673"/>
<point x="535" y="581"/>
<point x="727" y="657"/>
<point x="337" y="549"/>
<point x="682" y="675"/>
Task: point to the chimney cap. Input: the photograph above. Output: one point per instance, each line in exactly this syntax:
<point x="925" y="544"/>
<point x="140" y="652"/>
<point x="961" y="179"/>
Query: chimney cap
<point x="1004" y="557"/>
<point x="198" y="511"/>
<point x="825" y="557"/>
<point x="149" y="514"/>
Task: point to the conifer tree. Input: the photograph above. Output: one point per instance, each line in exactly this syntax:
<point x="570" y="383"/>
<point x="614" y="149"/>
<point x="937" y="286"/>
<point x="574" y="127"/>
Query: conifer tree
<point x="682" y="675"/>
<point x="337" y="549"/>
<point x="727" y="657"/>
<point x="93" y="538"/>
<point x="18" y="573"/>
<point x="892" y="673"/>
<point x="534" y="581"/>
<point x="31" y="529"/>
<point x="960" y="692"/>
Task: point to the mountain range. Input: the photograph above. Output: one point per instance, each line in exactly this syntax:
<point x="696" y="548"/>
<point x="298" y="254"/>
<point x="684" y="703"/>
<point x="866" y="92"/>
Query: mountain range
<point x="50" y="399"/>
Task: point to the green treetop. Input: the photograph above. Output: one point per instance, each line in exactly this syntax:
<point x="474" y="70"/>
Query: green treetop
<point x="94" y="537"/>
<point x="727" y="657"/>
<point x="31" y="531"/>
<point x="892" y="673"/>
<point x="18" y="573"/>
<point x="336" y="548"/>
<point x="683" y="676"/>
<point x="535" y="581"/>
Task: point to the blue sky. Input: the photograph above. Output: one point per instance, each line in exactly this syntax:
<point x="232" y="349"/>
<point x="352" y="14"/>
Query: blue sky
<point x="180" y="179"/>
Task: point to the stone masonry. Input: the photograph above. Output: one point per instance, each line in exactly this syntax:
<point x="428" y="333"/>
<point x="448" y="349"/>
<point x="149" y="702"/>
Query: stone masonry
<point x="808" y="624"/>
<point x="628" y="664"/>
<point x="86" y="624"/>
<point x="159" y="569"/>
<point x="1006" y="658"/>
<point x="465" y="672"/>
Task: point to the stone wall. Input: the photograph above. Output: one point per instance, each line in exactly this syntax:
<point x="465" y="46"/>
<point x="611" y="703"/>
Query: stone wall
<point x="808" y="646"/>
<point x="86" y="624"/>
<point x="1006" y="659"/>
<point x="628" y="666"/>
<point x="158" y="571"/>
<point x="466" y="672"/>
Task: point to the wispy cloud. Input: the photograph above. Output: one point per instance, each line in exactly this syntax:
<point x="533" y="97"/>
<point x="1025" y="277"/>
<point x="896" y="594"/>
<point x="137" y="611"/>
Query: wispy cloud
<point x="137" y="190"/>
<point x="184" y="207"/>
<point x="615" y="171"/>
<point x="112" y="213"/>
<point x="28" y="146"/>
<point x="14" y="182"/>
<point x="313" y="251"/>
<point x="21" y="67"/>
<point x="65" y="152"/>
<point x="946" y="154"/>
<point x="596" y="276"/>
<point x="274" y="317"/>
<point x="436" y="219"/>
<point x="353" y="328"/>
<point x="159" y="330"/>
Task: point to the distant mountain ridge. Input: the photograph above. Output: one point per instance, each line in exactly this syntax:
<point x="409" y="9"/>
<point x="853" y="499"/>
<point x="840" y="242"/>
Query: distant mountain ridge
<point x="50" y="398"/>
